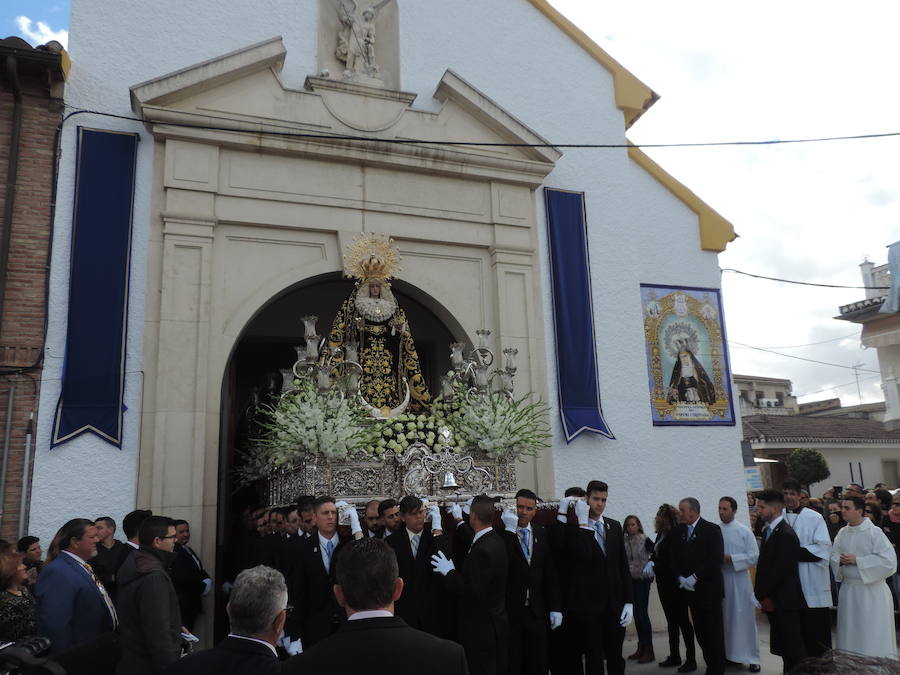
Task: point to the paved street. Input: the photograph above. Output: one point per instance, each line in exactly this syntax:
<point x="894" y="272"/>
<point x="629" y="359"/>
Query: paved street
<point x="771" y="665"/>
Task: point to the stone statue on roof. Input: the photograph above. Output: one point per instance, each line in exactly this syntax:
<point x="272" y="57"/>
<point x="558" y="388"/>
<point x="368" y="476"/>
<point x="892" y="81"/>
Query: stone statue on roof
<point x="356" y="40"/>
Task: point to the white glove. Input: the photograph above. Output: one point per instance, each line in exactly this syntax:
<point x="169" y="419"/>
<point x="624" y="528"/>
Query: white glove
<point x="510" y="520"/>
<point x="434" y="517"/>
<point x="555" y="620"/>
<point x="354" y="521"/>
<point x="467" y="506"/>
<point x="455" y="511"/>
<point x="441" y="565"/>
<point x="627" y="614"/>
<point x="648" y="570"/>
<point x="755" y="602"/>
<point x="687" y="583"/>
<point x="207" y="586"/>
<point x="582" y="510"/>
<point x="562" y="515"/>
<point x="293" y="648"/>
<point x="226" y="587"/>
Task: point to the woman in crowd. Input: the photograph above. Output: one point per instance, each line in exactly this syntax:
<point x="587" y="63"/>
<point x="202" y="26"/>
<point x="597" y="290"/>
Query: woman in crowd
<point x="637" y="549"/>
<point x="834" y="521"/>
<point x="667" y="586"/>
<point x="18" y="611"/>
<point x="873" y="513"/>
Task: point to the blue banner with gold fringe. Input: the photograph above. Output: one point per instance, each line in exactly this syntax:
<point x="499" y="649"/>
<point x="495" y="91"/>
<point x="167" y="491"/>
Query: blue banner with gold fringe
<point x="93" y="378"/>
<point x="573" y="315"/>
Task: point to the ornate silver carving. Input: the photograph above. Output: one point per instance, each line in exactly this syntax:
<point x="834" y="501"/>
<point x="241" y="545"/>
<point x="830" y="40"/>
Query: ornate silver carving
<point x="417" y="471"/>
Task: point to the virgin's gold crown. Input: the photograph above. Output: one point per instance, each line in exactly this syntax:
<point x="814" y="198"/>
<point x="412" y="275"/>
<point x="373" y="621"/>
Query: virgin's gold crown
<point x="372" y="256"/>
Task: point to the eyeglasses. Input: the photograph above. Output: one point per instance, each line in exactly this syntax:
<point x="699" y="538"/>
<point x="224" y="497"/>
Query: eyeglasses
<point x="288" y="609"/>
<point x="171" y="536"/>
<point x="868" y="510"/>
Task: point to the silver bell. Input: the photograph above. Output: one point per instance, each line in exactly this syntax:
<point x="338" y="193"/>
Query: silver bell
<point x="449" y="481"/>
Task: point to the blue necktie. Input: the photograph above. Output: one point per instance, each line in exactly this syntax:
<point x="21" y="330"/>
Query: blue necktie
<point x="601" y="535"/>
<point x="767" y="532"/>
<point x="415" y="544"/>
<point x="329" y="549"/>
<point x="523" y="540"/>
<point x="690" y="532"/>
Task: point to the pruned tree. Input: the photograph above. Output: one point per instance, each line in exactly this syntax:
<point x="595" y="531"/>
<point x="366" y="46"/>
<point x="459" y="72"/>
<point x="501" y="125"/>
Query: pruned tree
<point x="807" y="466"/>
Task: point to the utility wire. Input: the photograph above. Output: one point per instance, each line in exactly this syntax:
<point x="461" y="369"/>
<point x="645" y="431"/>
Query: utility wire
<point x="405" y="141"/>
<point x="800" y="358"/>
<point x="812" y="344"/>
<point x="805" y="283"/>
<point x="838" y="386"/>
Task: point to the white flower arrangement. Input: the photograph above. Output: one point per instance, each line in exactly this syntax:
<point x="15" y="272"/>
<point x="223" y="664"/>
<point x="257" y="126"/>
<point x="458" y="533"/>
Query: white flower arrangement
<point x="304" y="424"/>
<point x="501" y="426"/>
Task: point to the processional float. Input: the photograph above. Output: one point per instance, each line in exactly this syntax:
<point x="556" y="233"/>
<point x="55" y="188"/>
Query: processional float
<point x="355" y="418"/>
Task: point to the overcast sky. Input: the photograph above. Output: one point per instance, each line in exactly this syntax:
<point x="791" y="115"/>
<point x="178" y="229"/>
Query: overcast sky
<point x="750" y="71"/>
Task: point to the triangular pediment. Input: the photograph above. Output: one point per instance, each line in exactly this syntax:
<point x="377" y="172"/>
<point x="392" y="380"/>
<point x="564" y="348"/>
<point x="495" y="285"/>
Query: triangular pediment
<point x="242" y="91"/>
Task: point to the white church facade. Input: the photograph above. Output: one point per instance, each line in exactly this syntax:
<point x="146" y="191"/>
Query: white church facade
<point x="258" y="162"/>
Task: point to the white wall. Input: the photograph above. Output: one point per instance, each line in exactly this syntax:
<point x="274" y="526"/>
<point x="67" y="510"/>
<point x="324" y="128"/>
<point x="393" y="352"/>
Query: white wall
<point x="869" y="455"/>
<point x="639" y="232"/>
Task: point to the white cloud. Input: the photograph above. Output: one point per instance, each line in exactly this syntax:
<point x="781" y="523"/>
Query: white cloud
<point x="39" y="33"/>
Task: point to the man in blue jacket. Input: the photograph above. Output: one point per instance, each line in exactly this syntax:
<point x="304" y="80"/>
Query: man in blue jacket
<point x="73" y="605"/>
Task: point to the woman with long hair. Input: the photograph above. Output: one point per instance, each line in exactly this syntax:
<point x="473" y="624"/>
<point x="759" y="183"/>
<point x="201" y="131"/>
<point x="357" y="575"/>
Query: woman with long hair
<point x="18" y="610"/>
<point x="676" y="612"/>
<point x="637" y="550"/>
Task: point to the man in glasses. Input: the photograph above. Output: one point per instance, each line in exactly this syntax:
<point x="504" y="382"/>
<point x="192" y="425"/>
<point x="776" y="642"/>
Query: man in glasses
<point x="257" y="609"/>
<point x="149" y="618"/>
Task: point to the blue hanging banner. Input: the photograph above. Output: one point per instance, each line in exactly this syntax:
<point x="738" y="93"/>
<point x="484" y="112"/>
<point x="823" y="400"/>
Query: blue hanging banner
<point x="573" y="315"/>
<point x="93" y="378"/>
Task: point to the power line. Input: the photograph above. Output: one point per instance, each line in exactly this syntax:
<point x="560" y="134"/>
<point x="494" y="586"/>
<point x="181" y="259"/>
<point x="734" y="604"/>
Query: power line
<point x="800" y="358"/>
<point x="812" y="344"/>
<point x="407" y="141"/>
<point x="838" y="386"/>
<point x="805" y="283"/>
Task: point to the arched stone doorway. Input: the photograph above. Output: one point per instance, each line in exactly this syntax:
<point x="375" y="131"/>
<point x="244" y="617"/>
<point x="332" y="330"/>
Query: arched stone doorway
<point x="266" y="345"/>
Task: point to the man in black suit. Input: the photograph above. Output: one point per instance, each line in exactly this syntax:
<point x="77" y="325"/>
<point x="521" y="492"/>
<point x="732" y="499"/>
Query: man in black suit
<point x="480" y="590"/>
<point x="777" y="585"/>
<point x="256" y="609"/>
<point x="373" y="640"/>
<point x="697" y="561"/>
<point x="191" y="581"/>
<point x="532" y="588"/>
<point x="599" y="604"/>
<point x="425" y="602"/>
<point x="312" y="577"/>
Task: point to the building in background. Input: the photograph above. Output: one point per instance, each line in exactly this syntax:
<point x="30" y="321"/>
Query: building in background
<point x="771" y="395"/>
<point x="31" y="107"/>
<point x="880" y="320"/>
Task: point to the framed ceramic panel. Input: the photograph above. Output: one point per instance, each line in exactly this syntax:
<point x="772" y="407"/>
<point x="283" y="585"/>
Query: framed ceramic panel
<point x="688" y="372"/>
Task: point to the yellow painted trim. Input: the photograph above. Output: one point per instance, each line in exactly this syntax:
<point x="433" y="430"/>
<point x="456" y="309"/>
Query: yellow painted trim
<point x="65" y="63"/>
<point x="633" y="97"/>
<point x="715" y="231"/>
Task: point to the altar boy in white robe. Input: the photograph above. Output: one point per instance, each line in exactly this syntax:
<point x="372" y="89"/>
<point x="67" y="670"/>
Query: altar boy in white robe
<point x="739" y="607"/>
<point x="815" y="552"/>
<point x="862" y="559"/>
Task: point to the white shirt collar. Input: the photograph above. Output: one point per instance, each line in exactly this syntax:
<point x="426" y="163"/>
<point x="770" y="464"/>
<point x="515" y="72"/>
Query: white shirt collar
<point x="262" y="642"/>
<point x="481" y="533"/>
<point x="132" y="545"/>
<point x="77" y="559"/>
<point x="527" y="527"/>
<point x="324" y="541"/>
<point x="411" y="534"/>
<point x="694" y="524"/>
<point x="370" y="614"/>
<point x="775" y="522"/>
<point x="600" y="520"/>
